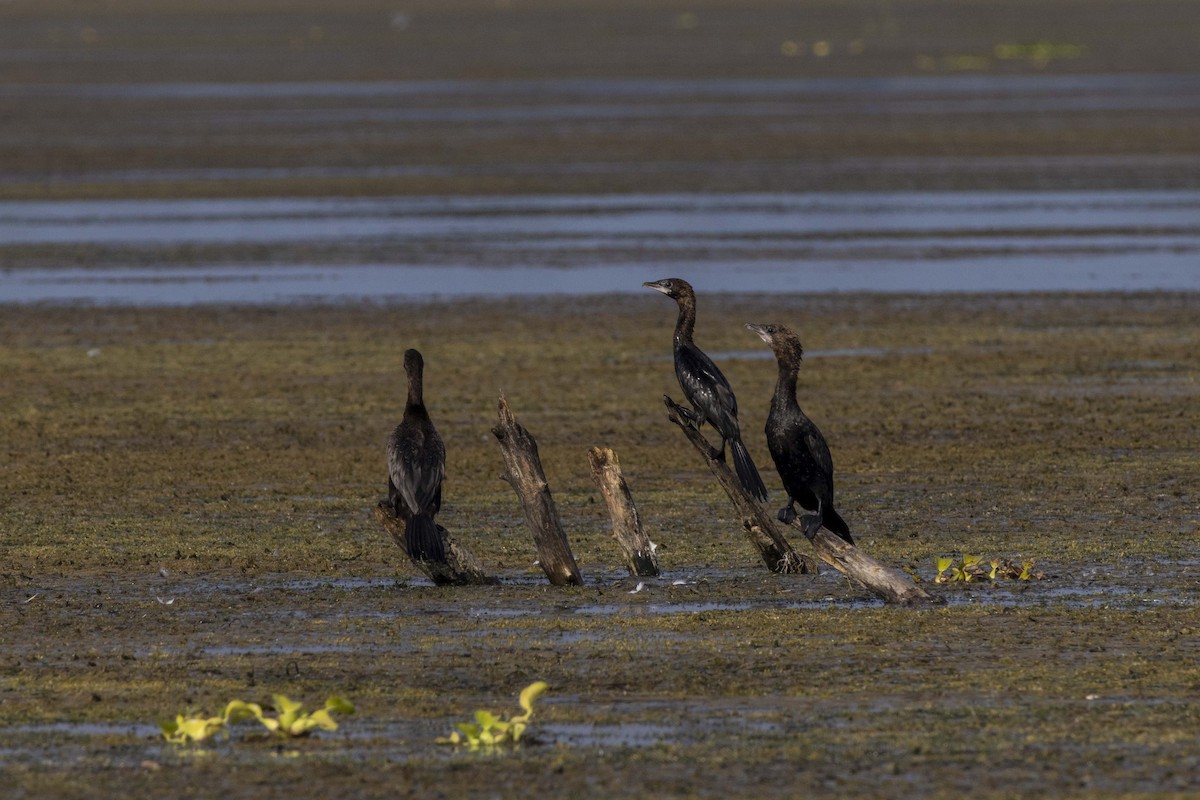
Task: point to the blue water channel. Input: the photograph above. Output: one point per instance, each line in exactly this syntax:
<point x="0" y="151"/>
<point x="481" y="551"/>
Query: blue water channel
<point x="452" y="247"/>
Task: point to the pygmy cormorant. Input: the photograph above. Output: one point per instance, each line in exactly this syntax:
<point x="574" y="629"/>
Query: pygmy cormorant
<point x="416" y="467"/>
<point x="706" y="387"/>
<point x="801" y="455"/>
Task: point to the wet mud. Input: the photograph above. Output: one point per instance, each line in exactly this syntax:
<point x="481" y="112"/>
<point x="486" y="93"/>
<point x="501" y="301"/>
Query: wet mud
<point x="186" y="492"/>
<point x="187" y="521"/>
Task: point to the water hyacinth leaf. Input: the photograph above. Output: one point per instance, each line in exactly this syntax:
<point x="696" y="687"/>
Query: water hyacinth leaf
<point x="195" y="729"/>
<point x="532" y="692"/>
<point x="340" y="705"/>
<point x="238" y="710"/>
<point x="318" y="720"/>
<point x="289" y="710"/>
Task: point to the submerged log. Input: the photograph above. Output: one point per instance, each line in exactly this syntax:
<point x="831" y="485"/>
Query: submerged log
<point x="461" y="567"/>
<point x="761" y="527"/>
<point x="626" y="524"/>
<point x="523" y="471"/>
<point x="893" y="585"/>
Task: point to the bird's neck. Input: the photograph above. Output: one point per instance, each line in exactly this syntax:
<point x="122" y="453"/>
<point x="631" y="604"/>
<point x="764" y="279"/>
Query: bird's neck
<point x="685" y="326"/>
<point x="416" y="392"/>
<point x="785" y="386"/>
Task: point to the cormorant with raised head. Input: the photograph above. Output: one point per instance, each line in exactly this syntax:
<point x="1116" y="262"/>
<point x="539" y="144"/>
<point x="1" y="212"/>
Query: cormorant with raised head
<point x="801" y="455"/>
<point x="705" y="386"/>
<point x="416" y="467"/>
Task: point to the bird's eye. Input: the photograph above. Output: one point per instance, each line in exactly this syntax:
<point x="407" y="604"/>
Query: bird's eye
<point x="770" y="329"/>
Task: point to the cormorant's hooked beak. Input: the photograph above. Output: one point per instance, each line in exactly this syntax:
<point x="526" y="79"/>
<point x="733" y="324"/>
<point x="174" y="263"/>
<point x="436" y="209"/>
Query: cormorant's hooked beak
<point x="761" y="330"/>
<point x="656" y="286"/>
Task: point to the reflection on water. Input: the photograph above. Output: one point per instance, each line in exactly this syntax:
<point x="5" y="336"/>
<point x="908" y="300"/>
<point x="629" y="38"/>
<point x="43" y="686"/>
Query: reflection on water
<point x="503" y="246"/>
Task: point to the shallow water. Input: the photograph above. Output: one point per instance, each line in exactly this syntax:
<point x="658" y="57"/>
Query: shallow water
<point x="555" y="245"/>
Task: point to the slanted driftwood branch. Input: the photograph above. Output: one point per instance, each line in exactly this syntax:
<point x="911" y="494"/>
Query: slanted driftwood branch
<point x="893" y="585"/>
<point x="890" y="584"/>
<point x="523" y="471"/>
<point x="760" y="526"/>
<point x="626" y="525"/>
<point x="461" y="567"/>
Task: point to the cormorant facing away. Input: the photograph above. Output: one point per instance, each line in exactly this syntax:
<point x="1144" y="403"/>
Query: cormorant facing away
<point x="416" y="466"/>
<point x="705" y="387"/>
<point x="801" y="455"/>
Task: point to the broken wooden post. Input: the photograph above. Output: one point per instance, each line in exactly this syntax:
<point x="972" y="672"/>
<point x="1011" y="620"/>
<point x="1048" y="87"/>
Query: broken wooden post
<point x="461" y="567"/>
<point x="523" y="471"/>
<point x="626" y="525"/>
<point x="893" y="585"/>
<point x="760" y="526"/>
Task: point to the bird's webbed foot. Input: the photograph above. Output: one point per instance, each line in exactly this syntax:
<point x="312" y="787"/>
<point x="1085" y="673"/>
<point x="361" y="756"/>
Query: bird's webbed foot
<point x="787" y="514"/>
<point x="812" y="522"/>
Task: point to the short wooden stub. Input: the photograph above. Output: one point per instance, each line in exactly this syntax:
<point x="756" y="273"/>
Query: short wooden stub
<point x="893" y="585"/>
<point x="626" y="525"/>
<point x="761" y="527"/>
<point x="523" y="471"/>
<point x="461" y="567"/>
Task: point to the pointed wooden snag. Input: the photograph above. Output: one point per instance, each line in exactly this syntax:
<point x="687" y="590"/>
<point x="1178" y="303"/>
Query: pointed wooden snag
<point x="461" y="567"/>
<point x="626" y="525"/>
<point x="760" y="526"/>
<point x="523" y="471"/>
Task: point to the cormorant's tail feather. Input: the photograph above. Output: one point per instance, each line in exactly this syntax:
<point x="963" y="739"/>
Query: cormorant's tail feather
<point x="834" y="522"/>
<point x="746" y="471"/>
<point x="422" y="539"/>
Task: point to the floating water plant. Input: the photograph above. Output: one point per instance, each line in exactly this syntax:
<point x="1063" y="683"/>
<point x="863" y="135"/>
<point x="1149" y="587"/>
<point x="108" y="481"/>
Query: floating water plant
<point x="972" y="568"/>
<point x="183" y="730"/>
<point x="290" y="722"/>
<point x="489" y="731"/>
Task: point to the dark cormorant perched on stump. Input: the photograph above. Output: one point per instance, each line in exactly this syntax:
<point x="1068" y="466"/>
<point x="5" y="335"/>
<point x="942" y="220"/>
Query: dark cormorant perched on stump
<point x="801" y="455"/>
<point x="416" y="467"/>
<point x="705" y="386"/>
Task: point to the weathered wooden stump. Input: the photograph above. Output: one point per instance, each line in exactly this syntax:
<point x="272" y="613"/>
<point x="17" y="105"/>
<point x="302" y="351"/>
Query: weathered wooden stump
<point x="523" y="471"/>
<point x="461" y="567"/>
<point x="760" y="526"/>
<point x="626" y="524"/>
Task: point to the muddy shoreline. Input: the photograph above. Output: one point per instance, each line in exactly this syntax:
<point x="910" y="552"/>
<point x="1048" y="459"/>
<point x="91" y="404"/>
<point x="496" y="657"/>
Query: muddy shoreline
<point x="187" y="521"/>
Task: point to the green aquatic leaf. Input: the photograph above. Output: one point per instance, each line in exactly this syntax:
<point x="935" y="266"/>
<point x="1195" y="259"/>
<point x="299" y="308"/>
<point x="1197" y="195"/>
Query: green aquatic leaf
<point x="195" y="729"/>
<point x="490" y="730"/>
<point x="238" y="710"/>
<point x="532" y="692"/>
<point x="289" y="711"/>
<point x="340" y="705"/>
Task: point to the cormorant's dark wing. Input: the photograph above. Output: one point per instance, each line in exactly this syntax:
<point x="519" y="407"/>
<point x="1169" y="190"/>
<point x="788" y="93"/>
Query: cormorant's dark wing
<point x="417" y="466"/>
<point x="707" y="388"/>
<point x="819" y="450"/>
